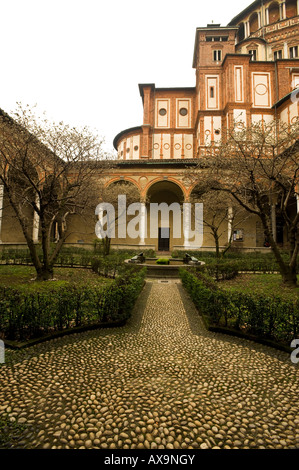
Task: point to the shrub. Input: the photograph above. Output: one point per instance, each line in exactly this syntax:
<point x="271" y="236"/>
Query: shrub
<point x="26" y="314"/>
<point x="266" y="317"/>
<point x="162" y="261"/>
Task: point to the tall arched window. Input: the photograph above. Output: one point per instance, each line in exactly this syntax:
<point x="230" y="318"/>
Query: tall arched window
<point x="274" y="13"/>
<point x="291" y="8"/>
<point x="241" y="32"/>
<point x="254" y="23"/>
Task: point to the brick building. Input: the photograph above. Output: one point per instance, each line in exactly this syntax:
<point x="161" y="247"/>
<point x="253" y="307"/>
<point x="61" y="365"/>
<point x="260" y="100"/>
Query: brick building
<point x="245" y="72"/>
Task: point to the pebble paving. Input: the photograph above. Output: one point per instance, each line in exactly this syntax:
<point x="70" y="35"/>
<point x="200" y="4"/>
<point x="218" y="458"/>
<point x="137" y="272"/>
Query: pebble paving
<point x="160" y="382"/>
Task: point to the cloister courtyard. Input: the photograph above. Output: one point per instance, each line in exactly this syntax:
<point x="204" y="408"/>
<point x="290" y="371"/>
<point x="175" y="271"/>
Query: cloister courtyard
<point x="160" y="381"/>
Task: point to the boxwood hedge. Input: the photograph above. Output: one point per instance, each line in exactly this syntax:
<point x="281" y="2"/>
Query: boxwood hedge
<point x="266" y="317"/>
<point x="27" y="314"/>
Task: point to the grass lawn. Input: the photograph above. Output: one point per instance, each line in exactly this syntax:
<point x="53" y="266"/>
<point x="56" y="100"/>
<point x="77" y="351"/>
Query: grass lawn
<point x="24" y="276"/>
<point x="268" y="284"/>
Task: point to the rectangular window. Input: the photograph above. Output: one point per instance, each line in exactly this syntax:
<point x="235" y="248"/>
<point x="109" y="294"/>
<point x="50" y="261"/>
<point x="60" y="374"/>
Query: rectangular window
<point x="278" y="55"/>
<point x="212" y="92"/>
<point x="217" y="56"/>
<point x="293" y="52"/>
<point x="253" y="54"/>
<point x="216" y="38"/>
<point x="238" y="236"/>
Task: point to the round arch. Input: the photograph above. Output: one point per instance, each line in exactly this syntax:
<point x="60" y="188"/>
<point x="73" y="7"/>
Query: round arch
<point x="241" y="32"/>
<point x="291" y="8"/>
<point x="165" y="198"/>
<point x="126" y="179"/>
<point x="162" y="180"/>
<point x="254" y="22"/>
<point x="274" y="12"/>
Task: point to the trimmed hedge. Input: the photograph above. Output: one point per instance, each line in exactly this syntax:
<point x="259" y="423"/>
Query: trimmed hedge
<point x="265" y="317"/>
<point x="70" y="256"/>
<point x="26" y="314"/>
<point x="252" y="262"/>
<point x="163" y="261"/>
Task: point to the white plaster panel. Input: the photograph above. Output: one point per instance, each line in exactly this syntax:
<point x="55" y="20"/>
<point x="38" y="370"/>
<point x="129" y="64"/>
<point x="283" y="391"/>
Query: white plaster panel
<point x="188" y="143"/>
<point x="166" y="143"/>
<point x="177" y="145"/>
<point x="261" y="91"/>
<point x="162" y="121"/>
<point x="239" y="96"/>
<point x="216" y="128"/>
<point x="183" y="121"/>
<point x="293" y="112"/>
<point x="256" y="118"/>
<point x="156" y="146"/>
<point x="212" y="83"/>
<point x="136" y="145"/>
<point x="207" y="130"/>
<point x="240" y="118"/>
<point x="295" y="80"/>
<point x="284" y="116"/>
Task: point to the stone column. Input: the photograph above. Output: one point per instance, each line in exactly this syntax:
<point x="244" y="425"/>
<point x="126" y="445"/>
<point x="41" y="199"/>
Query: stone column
<point x="1" y="208"/>
<point x="267" y="16"/>
<point x="35" y="228"/>
<point x="285" y="50"/>
<point x="187" y="223"/>
<point x="143" y="221"/>
<point x="273" y="220"/>
<point x="297" y="198"/>
<point x="100" y="223"/>
<point x="247" y="29"/>
<point x="284" y="11"/>
<point x="230" y="223"/>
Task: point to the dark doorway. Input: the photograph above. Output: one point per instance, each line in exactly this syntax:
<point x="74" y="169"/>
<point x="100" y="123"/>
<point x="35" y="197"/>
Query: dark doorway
<point x="163" y="242"/>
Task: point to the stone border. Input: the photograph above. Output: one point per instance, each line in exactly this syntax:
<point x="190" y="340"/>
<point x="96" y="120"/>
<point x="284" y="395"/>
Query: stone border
<point x="59" y="334"/>
<point x="240" y="334"/>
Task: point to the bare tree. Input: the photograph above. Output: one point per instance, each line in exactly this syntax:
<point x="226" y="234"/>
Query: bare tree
<point x="52" y="169"/>
<point x="258" y="167"/>
<point x="221" y="214"/>
<point x="110" y="194"/>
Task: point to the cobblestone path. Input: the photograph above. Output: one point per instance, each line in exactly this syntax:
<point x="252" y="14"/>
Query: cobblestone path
<point x="160" y="382"/>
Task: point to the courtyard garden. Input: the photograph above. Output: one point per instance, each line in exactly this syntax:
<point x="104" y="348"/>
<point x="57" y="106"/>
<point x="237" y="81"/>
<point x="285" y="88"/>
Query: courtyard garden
<point x="244" y="295"/>
<point x="241" y="293"/>
<point x="162" y="380"/>
<point x="89" y="291"/>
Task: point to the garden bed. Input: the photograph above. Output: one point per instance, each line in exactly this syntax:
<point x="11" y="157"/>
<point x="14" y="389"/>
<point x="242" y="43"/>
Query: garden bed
<point x="31" y="311"/>
<point x="258" y="316"/>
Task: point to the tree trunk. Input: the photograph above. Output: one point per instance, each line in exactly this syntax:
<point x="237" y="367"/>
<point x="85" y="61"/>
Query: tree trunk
<point x="106" y="246"/>
<point x="287" y="271"/>
<point x="289" y="277"/>
<point x="44" y="273"/>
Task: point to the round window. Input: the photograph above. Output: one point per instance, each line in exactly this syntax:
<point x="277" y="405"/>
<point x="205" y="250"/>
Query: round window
<point x="136" y="148"/>
<point x="162" y="112"/>
<point x="183" y="111"/>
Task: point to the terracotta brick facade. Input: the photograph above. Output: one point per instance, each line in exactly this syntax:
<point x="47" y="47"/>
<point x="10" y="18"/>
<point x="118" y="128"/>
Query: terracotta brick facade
<point x="245" y="72"/>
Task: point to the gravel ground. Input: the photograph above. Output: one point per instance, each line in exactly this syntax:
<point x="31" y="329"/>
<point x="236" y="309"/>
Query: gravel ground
<point x="160" y="382"/>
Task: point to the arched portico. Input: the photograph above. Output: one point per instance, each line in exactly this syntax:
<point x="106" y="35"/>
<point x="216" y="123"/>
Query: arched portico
<point x="164" y="218"/>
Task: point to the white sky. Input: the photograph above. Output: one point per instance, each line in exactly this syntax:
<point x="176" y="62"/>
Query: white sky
<point x="81" y="61"/>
